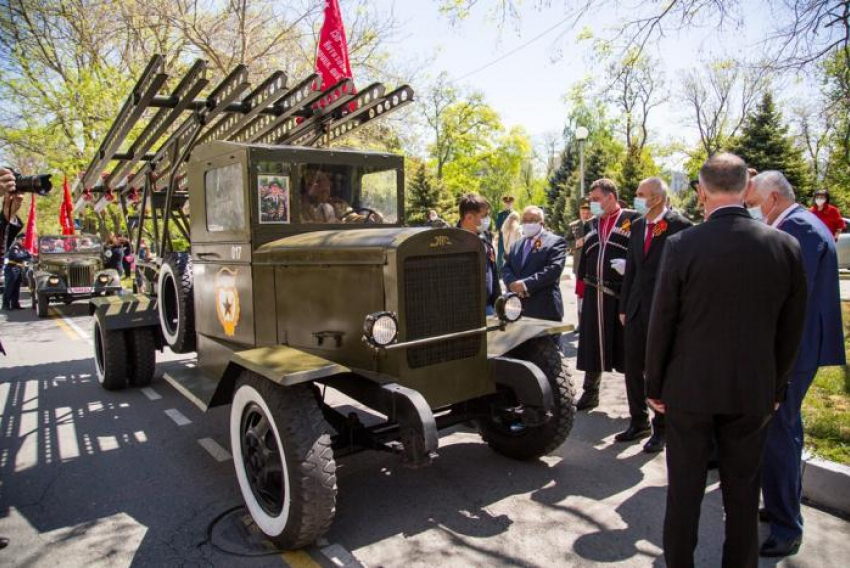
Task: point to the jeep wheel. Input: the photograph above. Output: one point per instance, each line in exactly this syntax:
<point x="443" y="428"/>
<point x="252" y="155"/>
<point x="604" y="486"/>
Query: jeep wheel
<point x="110" y="356"/>
<point x="176" y="304"/>
<point x="141" y="344"/>
<point x="42" y="303"/>
<point x="528" y="443"/>
<point x="284" y="461"/>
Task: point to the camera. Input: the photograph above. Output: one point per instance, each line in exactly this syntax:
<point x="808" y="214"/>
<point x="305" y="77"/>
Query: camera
<point x="38" y="184"/>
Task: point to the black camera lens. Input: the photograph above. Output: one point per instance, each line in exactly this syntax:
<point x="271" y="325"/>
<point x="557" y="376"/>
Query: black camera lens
<point x="38" y="184"/>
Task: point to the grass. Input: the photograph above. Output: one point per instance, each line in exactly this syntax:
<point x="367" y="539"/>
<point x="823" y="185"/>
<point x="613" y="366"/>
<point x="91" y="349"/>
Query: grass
<point x="826" y="408"/>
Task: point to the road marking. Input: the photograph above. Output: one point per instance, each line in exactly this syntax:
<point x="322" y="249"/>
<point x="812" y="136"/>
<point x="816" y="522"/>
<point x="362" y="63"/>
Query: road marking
<point x="77" y="329"/>
<point x="178" y="417"/>
<point x="67" y="329"/>
<point x="340" y="556"/>
<point x="215" y="450"/>
<point x="299" y="559"/>
<point x="151" y="394"/>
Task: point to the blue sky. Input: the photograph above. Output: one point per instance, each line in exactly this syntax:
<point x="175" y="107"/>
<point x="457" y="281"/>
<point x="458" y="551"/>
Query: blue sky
<point x="528" y="87"/>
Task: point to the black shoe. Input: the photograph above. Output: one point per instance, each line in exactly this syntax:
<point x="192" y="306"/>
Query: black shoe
<point x="775" y="548"/>
<point x="587" y="402"/>
<point x="764" y="516"/>
<point x="633" y="433"/>
<point x="4" y="542"/>
<point x="655" y="444"/>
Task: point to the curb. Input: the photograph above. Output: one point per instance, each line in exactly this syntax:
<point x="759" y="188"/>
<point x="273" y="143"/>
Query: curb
<point x="827" y="483"/>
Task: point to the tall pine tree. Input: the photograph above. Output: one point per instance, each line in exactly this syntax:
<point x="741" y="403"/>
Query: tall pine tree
<point x="765" y="144"/>
<point x="422" y="194"/>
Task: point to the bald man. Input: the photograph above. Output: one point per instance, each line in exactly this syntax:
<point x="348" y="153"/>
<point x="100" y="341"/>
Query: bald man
<point x="646" y="244"/>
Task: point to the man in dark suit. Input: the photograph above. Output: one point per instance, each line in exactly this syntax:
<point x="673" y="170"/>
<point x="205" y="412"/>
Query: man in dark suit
<point x="533" y="268"/>
<point x="726" y="322"/>
<point x="649" y="235"/>
<point x="771" y="197"/>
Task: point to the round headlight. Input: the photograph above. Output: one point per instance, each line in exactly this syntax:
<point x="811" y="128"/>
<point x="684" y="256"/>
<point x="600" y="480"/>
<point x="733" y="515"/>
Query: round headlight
<point x="381" y="329"/>
<point x="103" y="278"/>
<point x="53" y="280"/>
<point x="513" y="308"/>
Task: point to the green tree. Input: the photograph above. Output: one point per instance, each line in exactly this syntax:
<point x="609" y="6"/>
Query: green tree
<point x="422" y="194"/>
<point x="837" y="94"/>
<point x="765" y="144"/>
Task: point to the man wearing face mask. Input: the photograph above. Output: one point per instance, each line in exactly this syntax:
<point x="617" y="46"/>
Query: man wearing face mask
<point x="533" y="268"/>
<point x="649" y="234"/>
<point x="475" y="218"/>
<point x="829" y="214"/>
<point x="771" y="199"/>
<point x="601" y="267"/>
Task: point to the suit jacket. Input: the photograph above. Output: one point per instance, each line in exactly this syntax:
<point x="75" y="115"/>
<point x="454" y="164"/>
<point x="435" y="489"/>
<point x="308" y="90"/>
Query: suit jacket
<point x="727" y="317"/>
<point x="491" y="276"/>
<point x="642" y="269"/>
<point x="823" y="333"/>
<point x="541" y="274"/>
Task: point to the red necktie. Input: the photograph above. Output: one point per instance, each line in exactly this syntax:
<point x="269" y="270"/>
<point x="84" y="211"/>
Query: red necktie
<point x="648" y="239"/>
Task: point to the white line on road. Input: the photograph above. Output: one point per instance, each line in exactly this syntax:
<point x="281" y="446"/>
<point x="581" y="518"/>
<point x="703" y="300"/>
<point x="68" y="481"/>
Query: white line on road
<point x="151" y="394"/>
<point x="178" y="417"/>
<point x="80" y="331"/>
<point x="215" y="450"/>
<point x="340" y="556"/>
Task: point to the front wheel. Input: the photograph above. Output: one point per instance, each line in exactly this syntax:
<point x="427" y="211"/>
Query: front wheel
<point x="532" y="442"/>
<point x="284" y="461"/>
<point x="42" y="303"/>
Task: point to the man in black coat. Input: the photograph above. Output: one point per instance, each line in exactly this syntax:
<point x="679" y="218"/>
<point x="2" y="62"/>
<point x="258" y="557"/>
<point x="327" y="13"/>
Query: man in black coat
<point x="534" y="266"/>
<point x="726" y="323"/>
<point x="649" y="235"/>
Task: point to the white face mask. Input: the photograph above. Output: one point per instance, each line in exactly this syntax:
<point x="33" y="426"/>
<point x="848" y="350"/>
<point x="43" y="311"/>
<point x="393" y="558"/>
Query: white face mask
<point x="820" y="201"/>
<point x="755" y="213"/>
<point x="432" y="217"/>
<point x="640" y="205"/>
<point x="596" y="208"/>
<point x="484" y="224"/>
<point x="531" y="229"/>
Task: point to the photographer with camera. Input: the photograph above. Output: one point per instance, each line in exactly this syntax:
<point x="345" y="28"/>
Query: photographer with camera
<point x="10" y="223"/>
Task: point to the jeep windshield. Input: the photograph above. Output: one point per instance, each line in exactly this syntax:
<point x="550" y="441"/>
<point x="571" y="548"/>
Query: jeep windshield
<point x="65" y="244"/>
<point x="327" y="194"/>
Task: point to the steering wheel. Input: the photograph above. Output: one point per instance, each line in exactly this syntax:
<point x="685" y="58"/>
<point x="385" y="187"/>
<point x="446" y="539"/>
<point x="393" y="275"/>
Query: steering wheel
<point x="370" y="213"/>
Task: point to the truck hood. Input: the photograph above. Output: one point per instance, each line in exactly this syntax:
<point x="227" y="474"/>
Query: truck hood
<point x="356" y="246"/>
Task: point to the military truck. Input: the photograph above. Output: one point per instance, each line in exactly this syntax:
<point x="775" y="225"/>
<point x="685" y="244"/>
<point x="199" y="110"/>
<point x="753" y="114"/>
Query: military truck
<point x="305" y="297"/>
<point x="69" y="268"/>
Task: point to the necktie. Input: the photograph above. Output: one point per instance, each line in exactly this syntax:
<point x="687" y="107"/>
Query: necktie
<point x="648" y="239"/>
<point x="526" y="250"/>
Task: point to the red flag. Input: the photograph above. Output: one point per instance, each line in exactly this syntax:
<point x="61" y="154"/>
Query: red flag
<point x="31" y="235"/>
<point x="66" y="211"/>
<point x="332" y="63"/>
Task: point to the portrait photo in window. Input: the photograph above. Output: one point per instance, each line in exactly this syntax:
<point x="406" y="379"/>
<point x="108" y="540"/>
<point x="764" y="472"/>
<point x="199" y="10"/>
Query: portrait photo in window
<point x="273" y="198"/>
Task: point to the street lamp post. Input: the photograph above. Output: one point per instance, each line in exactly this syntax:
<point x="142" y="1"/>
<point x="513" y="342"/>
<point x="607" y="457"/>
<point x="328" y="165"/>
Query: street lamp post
<point x="581" y="135"/>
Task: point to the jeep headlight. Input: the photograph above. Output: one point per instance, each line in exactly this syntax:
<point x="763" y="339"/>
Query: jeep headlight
<point x="381" y="328"/>
<point x="53" y="280"/>
<point x="509" y="307"/>
<point x="103" y="279"/>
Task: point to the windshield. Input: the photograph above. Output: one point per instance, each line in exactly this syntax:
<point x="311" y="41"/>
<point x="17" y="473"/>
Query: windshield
<point x="69" y="244"/>
<point x="332" y="194"/>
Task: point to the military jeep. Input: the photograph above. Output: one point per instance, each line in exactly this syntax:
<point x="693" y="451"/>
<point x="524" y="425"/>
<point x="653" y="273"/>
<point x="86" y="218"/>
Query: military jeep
<point x="327" y="326"/>
<point x="70" y="268"/>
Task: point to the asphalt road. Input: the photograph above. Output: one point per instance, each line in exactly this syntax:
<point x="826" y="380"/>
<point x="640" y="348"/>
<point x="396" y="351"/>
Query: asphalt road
<point x="143" y="478"/>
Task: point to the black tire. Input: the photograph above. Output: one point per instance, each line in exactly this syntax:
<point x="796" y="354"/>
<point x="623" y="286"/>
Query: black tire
<point x="176" y="302"/>
<point x="298" y="516"/>
<point x="534" y="442"/>
<point x="110" y="356"/>
<point x="141" y="344"/>
<point x="42" y="303"/>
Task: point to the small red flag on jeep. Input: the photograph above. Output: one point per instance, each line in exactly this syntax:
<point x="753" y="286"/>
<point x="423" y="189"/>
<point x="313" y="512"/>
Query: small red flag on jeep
<point x="31" y="234"/>
<point x="66" y="210"/>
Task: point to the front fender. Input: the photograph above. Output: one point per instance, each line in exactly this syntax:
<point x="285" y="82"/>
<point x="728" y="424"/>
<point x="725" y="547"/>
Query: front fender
<point x="515" y="334"/>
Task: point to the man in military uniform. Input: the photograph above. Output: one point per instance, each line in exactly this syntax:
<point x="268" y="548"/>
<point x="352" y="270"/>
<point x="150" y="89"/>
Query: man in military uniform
<point x="577" y="231"/>
<point x="13" y="273"/>
<point x="475" y="218"/>
<point x="601" y="268"/>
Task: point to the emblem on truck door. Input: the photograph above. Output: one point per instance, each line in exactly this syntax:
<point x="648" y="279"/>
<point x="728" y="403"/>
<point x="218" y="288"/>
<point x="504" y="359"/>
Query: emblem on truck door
<point x="227" y="300"/>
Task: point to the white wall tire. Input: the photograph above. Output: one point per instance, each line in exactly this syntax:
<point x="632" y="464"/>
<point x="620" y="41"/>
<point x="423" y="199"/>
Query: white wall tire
<point x="301" y="508"/>
<point x="175" y="301"/>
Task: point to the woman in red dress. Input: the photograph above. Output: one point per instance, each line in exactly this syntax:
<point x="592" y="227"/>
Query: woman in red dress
<point x="829" y="214"/>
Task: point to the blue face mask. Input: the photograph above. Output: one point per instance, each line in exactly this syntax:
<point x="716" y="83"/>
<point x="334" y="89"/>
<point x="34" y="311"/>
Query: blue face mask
<point x="755" y="213"/>
<point x="640" y="205"/>
<point x="595" y="208"/>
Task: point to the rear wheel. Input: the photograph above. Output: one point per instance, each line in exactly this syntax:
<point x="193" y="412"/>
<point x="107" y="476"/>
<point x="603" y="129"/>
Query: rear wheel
<point x="110" y="356"/>
<point x="531" y="442"/>
<point x="42" y="303"/>
<point x="176" y="302"/>
<point x="141" y="345"/>
<point x="284" y="461"/>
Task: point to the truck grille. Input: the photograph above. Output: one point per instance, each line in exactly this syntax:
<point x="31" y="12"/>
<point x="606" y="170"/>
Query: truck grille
<point x="80" y="276"/>
<point x="442" y="294"/>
